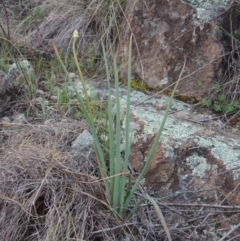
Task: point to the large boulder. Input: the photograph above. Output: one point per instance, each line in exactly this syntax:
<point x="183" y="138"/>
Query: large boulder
<point x="166" y="31"/>
<point x="194" y="150"/>
<point x="197" y="161"/>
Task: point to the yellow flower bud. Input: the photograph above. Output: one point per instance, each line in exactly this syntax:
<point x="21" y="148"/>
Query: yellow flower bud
<point x="75" y="34"/>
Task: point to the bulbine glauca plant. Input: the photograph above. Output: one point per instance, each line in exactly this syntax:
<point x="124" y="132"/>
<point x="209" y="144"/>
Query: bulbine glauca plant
<point x="119" y="189"/>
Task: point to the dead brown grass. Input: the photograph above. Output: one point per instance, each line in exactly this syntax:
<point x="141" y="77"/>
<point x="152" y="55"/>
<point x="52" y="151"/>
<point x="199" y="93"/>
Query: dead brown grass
<point x="47" y="190"/>
<point x="39" y="24"/>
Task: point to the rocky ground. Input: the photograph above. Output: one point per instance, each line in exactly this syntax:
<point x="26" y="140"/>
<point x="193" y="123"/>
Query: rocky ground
<point x="50" y="187"/>
<point x="49" y="174"/>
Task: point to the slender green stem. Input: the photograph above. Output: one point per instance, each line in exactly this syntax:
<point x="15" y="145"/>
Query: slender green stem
<point x="97" y="146"/>
<point x="117" y="160"/>
<point x="81" y="78"/>
<point x="158" y="210"/>
<point x="101" y="162"/>
<point x="136" y="207"/>
<point x="160" y="215"/>
<point x="127" y="132"/>
<point x="110" y="126"/>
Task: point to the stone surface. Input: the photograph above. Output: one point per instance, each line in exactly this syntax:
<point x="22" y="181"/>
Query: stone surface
<point x="190" y="157"/>
<point x="166" y="31"/>
<point x="18" y="71"/>
<point x="84" y="140"/>
<point x="11" y="84"/>
<point x="196" y="160"/>
<point x="207" y="10"/>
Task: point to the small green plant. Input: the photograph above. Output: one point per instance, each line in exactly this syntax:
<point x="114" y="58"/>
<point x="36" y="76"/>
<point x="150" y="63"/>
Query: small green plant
<point x="49" y="82"/>
<point x="200" y="83"/>
<point x="221" y="104"/>
<point x="207" y="103"/>
<point x="113" y="168"/>
<point x="63" y="97"/>
<point x="35" y="17"/>
<point x="234" y="105"/>
<point x="90" y="59"/>
<point x="5" y="55"/>
<point x="216" y="86"/>
<point x="44" y="109"/>
<point x="10" y="55"/>
<point x="226" y="98"/>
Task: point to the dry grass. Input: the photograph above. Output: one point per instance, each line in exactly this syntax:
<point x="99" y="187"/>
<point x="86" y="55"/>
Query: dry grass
<point x="45" y="187"/>
<point x="37" y="24"/>
<point x="49" y="191"/>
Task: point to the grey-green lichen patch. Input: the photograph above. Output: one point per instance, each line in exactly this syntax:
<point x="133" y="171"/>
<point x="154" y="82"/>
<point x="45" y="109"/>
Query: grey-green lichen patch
<point x="227" y="150"/>
<point x="179" y="131"/>
<point x="91" y="90"/>
<point x="169" y="152"/>
<point x="178" y="66"/>
<point x="146" y="121"/>
<point x="133" y="126"/>
<point x="139" y="97"/>
<point x="24" y="67"/>
<point x="179" y="106"/>
<point x="160" y="27"/>
<point x="151" y="118"/>
<point x="197" y="164"/>
<point x="199" y="62"/>
<point x="207" y="9"/>
<point x="164" y="81"/>
<point x="207" y="4"/>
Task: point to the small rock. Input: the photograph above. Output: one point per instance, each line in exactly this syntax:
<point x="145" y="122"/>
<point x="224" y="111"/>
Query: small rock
<point x="11" y="84"/>
<point x="5" y="120"/>
<point x="72" y="75"/>
<point x="40" y="92"/>
<point x="83" y="140"/>
<point x="17" y="69"/>
<point x="40" y="101"/>
<point x="19" y="119"/>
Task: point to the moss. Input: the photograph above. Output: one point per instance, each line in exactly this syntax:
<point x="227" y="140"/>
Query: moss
<point x="187" y="99"/>
<point x="234" y="120"/>
<point x="138" y="85"/>
<point x="143" y="87"/>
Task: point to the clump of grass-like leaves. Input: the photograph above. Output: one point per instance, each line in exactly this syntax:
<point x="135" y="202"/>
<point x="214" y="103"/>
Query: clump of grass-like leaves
<point x="119" y="189"/>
